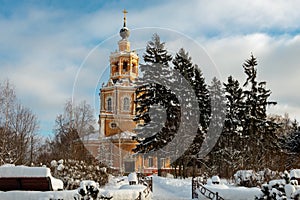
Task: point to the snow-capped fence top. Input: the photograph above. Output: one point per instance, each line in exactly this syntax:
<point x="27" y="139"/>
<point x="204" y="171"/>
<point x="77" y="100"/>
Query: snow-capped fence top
<point x="199" y="189"/>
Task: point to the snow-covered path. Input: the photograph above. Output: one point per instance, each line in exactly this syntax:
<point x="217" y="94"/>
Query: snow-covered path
<point x="165" y="189"/>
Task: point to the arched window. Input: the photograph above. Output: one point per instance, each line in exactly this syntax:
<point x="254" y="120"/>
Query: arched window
<point x="126" y="104"/>
<point x="109" y="104"/>
<point x="125" y="66"/>
<point x="150" y="162"/>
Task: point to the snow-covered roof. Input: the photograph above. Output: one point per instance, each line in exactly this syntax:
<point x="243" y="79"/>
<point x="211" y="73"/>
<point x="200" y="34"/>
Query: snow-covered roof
<point x="23" y="171"/>
<point x="12" y="171"/>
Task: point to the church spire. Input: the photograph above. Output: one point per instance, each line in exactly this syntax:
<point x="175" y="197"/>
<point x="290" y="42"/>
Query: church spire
<point x="124" y="32"/>
<point x="125" y="12"/>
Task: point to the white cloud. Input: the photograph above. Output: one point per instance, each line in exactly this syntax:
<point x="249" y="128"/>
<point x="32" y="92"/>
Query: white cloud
<point x="219" y="17"/>
<point x="41" y="49"/>
<point x="278" y="63"/>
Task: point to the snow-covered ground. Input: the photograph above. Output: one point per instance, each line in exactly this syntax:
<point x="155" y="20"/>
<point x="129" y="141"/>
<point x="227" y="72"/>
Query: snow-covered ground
<point x="163" y="189"/>
<point x="228" y="192"/>
<point x="168" y="188"/>
<point x="120" y="189"/>
<point x="36" y="195"/>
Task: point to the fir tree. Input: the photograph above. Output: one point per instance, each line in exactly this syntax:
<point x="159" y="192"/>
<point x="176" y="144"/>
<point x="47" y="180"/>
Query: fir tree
<point x="153" y="92"/>
<point x="258" y="131"/>
<point x="193" y="75"/>
<point x="234" y="104"/>
<point x="293" y="143"/>
<point x="233" y="125"/>
<point x="218" y="112"/>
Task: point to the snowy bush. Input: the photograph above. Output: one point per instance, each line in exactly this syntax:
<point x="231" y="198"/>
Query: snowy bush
<point x="90" y="190"/>
<point x="72" y="172"/>
<point x="280" y="189"/>
<point x="250" y="178"/>
<point x="53" y="163"/>
<point x="245" y="178"/>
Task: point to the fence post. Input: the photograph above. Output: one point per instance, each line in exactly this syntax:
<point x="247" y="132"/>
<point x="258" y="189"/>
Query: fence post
<point x="217" y="196"/>
<point x="151" y="180"/>
<point x="194" y="187"/>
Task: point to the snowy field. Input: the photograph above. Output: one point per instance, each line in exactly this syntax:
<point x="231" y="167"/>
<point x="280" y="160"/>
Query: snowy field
<point x="168" y="188"/>
<point x="163" y="188"/>
<point x="181" y="189"/>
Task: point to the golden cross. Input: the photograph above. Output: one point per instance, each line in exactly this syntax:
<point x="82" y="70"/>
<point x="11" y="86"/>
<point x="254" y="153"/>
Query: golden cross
<point x="125" y="12"/>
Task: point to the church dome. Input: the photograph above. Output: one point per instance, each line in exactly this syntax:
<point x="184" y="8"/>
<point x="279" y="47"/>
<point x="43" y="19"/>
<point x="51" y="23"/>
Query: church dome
<point x="124" y="32"/>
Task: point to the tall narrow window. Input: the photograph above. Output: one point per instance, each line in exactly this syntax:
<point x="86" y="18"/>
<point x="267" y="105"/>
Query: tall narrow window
<point x="125" y="66"/>
<point x="163" y="162"/>
<point x="109" y="104"/>
<point x="150" y="162"/>
<point x="126" y="104"/>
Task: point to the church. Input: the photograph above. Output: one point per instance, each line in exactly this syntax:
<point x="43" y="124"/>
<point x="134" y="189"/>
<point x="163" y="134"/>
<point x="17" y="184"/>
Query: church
<point x="114" y="144"/>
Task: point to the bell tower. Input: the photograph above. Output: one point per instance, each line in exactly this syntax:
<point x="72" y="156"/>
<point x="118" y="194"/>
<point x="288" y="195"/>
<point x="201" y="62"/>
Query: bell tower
<point x="124" y="62"/>
<point x="117" y="107"/>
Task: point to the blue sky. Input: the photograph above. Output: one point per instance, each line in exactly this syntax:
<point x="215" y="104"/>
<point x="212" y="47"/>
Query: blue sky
<point x="48" y="46"/>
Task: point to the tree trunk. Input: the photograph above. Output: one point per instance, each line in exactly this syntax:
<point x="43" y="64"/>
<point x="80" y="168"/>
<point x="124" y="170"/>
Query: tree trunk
<point x="194" y="168"/>
<point x="158" y="165"/>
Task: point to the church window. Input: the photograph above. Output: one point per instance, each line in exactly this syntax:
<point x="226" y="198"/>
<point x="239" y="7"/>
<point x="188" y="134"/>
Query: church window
<point x="125" y="66"/>
<point x="113" y="125"/>
<point x="163" y="162"/>
<point x="117" y="67"/>
<point x="133" y="68"/>
<point x="150" y="162"/>
<point x="126" y="104"/>
<point x="109" y="104"/>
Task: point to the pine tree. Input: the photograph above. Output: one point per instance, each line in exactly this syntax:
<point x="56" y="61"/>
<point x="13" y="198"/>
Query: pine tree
<point x="258" y="131"/>
<point x="199" y="94"/>
<point x="218" y="112"/>
<point x="293" y="143"/>
<point x="154" y="92"/>
<point x="184" y="67"/>
<point x="234" y="96"/>
<point x="295" y="126"/>
<point x="232" y="130"/>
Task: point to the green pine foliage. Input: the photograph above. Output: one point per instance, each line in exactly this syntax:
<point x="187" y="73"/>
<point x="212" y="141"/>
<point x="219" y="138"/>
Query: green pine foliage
<point x="150" y="95"/>
<point x="249" y="138"/>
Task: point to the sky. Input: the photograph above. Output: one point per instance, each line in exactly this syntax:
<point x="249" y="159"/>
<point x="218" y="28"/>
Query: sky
<point x="54" y="50"/>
